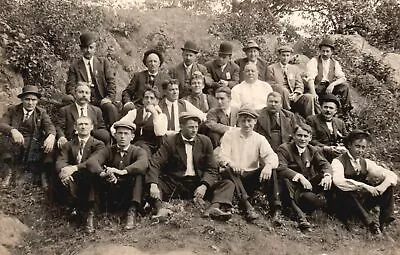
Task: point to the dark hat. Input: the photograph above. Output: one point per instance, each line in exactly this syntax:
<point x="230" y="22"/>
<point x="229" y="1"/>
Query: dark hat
<point x="190" y="46"/>
<point x="245" y="110"/>
<point x="125" y="124"/>
<point x="251" y="44"/>
<point x="225" y="48"/>
<point x="153" y="51"/>
<point x="356" y="134"/>
<point x="188" y="116"/>
<point x="87" y="39"/>
<point x="285" y="48"/>
<point x="29" y="89"/>
<point x="330" y="98"/>
<point x="329" y="42"/>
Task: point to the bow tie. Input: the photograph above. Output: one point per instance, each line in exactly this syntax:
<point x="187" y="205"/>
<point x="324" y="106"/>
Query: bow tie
<point x="191" y="142"/>
<point x="120" y="150"/>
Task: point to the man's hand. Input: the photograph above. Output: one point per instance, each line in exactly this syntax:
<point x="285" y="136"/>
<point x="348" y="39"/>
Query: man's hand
<point x="155" y="191"/>
<point x="265" y="174"/>
<point x="151" y="108"/>
<point x="372" y="190"/>
<point x="66" y="174"/>
<point x="306" y="184"/>
<point x="315" y="96"/>
<point x="111" y="178"/>
<point x="61" y="141"/>
<point x="49" y="143"/>
<point x="329" y="89"/>
<point x="115" y="171"/>
<point x="294" y="96"/>
<point x="236" y="169"/>
<point x="17" y="136"/>
<point x="200" y="191"/>
<point x="223" y="83"/>
<point x="326" y="182"/>
<point x="105" y="101"/>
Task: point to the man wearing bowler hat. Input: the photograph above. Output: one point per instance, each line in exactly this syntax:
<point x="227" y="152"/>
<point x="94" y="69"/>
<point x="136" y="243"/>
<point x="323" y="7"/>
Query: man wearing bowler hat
<point x="183" y="71"/>
<point x="28" y="137"/>
<point x="122" y="167"/>
<point x="328" y="130"/>
<point x="285" y="79"/>
<point x="223" y="70"/>
<point x="325" y="75"/>
<point x="252" y="51"/>
<point x="152" y="77"/>
<point x="97" y="72"/>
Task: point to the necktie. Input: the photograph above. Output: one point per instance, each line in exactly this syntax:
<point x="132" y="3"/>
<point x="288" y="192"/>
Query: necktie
<point x="122" y="152"/>
<point x="80" y="153"/>
<point x="274" y="120"/>
<point x="357" y="166"/>
<point x="191" y="142"/>
<point x="26" y="116"/>
<point x="171" y="123"/>
<point x="82" y="113"/>
<point x="93" y="78"/>
<point x="151" y="79"/>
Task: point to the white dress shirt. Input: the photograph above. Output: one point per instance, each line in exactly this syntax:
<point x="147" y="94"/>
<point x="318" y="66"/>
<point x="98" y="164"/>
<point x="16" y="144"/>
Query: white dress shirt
<point x="85" y="109"/>
<point x="312" y="69"/>
<point x="80" y="152"/>
<point x="189" y="158"/>
<point x="253" y="95"/>
<point x="88" y="71"/>
<point x="27" y="114"/>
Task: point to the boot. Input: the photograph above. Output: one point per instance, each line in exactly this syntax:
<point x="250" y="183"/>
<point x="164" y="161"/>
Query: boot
<point x="89" y="222"/>
<point x="7" y="178"/>
<point x="131" y="218"/>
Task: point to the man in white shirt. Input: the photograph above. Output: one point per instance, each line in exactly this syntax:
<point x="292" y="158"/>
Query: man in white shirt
<point x="247" y="159"/>
<point x="325" y="75"/>
<point x="251" y="92"/>
<point x="362" y="184"/>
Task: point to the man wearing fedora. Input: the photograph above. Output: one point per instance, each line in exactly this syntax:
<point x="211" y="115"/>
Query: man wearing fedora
<point x="361" y="184"/>
<point x="97" y="72"/>
<point x="252" y="51"/>
<point x="122" y="167"/>
<point x="184" y="70"/>
<point x="325" y="75"/>
<point x="28" y="136"/>
<point x="285" y="79"/>
<point x="223" y="70"/>
<point x="185" y="167"/>
<point x="328" y="130"/>
<point x="152" y="77"/>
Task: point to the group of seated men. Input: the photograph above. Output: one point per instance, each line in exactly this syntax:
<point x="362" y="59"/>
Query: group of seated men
<point x="202" y="132"/>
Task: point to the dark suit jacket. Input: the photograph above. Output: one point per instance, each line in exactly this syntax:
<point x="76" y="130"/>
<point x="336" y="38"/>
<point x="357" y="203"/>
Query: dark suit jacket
<point x="68" y="116"/>
<point x="290" y="162"/>
<point x="217" y="74"/>
<point x="275" y="76"/>
<point x="14" y="116"/>
<point x="170" y="159"/>
<point x="104" y="75"/>
<point x="287" y="123"/>
<point x="179" y="73"/>
<point x="69" y="153"/>
<point x="261" y="66"/>
<point x="134" y="91"/>
<point x="135" y="161"/>
<point x="218" y="122"/>
<point x="321" y="133"/>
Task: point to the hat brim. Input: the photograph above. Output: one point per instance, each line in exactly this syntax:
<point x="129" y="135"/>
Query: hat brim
<point x="253" y="115"/>
<point x="253" y="47"/>
<point x="326" y="45"/>
<point x="332" y="101"/>
<point x="225" y="53"/>
<point x="192" y="50"/>
<point x="133" y="128"/>
<point x="190" y="117"/>
<point x="27" y="93"/>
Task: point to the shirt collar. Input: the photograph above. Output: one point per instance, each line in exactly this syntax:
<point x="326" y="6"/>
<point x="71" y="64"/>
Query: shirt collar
<point x="83" y="139"/>
<point x="223" y="67"/>
<point x="153" y="74"/>
<point x="185" y="139"/>
<point x="351" y="157"/>
<point x="242" y="135"/>
<point x="227" y="111"/>
<point x="125" y="148"/>
<point x="284" y="67"/>
<point x="300" y="150"/>
<point x="26" y="112"/>
<point x="87" y="60"/>
<point x="169" y="103"/>
<point x="187" y="67"/>
<point x="81" y="106"/>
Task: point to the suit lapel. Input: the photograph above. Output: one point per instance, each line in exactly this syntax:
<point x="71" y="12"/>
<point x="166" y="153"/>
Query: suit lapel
<point x="324" y="126"/>
<point x="265" y="122"/>
<point x="91" y="114"/>
<point x="74" y="112"/>
<point x="180" y="147"/>
<point x="298" y="159"/>
<point x="196" y="153"/>
<point x="86" y="149"/>
<point x="284" y="123"/>
<point x="82" y="70"/>
<point x="75" y="148"/>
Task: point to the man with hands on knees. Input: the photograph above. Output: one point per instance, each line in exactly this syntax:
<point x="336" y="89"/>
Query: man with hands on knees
<point x="72" y="171"/>
<point x="361" y="184"/>
<point x="306" y="174"/>
<point x="248" y="160"/>
<point x="184" y="167"/>
<point x="122" y="167"/>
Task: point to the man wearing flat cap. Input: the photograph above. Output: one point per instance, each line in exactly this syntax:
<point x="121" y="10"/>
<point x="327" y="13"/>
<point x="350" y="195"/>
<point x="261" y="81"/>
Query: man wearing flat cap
<point x="248" y="160"/>
<point x="122" y="167"/>
<point x="183" y="71"/>
<point x="185" y="167"/>
<point x="361" y="184"/>
<point x="223" y="70"/>
<point x="328" y="130"/>
<point x="28" y="137"/>
<point x="285" y="79"/>
<point x="325" y="75"/>
<point x="152" y="77"/>
<point x="252" y="51"/>
<point x="97" y="72"/>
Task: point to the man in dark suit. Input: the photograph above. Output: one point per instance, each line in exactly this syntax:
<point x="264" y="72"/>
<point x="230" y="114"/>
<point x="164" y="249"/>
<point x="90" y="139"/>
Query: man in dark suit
<point x="185" y="167"/>
<point x="285" y="79"/>
<point x="153" y="77"/>
<point x="72" y="171"/>
<point x="223" y="70"/>
<point x="28" y="136"/>
<point x="252" y="51"/>
<point x="197" y="97"/>
<point x="221" y="119"/>
<point x="307" y="175"/>
<point x="122" y="167"/>
<point x="275" y="123"/>
<point x="328" y="130"/>
<point x="183" y="71"/>
<point x="81" y="107"/>
<point x="97" y="72"/>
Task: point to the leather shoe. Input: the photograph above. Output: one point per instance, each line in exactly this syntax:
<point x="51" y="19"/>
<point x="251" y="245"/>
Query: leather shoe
<point x="89" y="222"/>
<point x="277" y="218"/>
<point x="7" y="178"/>
<point x="304" y="225"/>
<point x="217" y="214"/>
<point x="374" y="228"/>
<point x="251" y="215"/>
<point x="162" y="215"/>
<point x="130" y="219"/>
